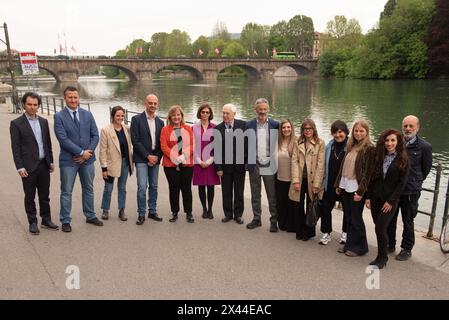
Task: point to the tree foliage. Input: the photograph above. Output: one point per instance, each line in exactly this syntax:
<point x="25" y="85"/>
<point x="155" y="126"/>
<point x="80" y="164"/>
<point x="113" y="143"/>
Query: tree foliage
<point x="300" y="35"/>
<point x="438" y="39"/>
<point x="254" y="38"/>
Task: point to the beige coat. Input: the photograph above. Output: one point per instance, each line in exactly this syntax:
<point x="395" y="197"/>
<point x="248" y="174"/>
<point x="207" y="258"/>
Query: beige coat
<point x="110" y="154"/>
<point x="314" y="159"/>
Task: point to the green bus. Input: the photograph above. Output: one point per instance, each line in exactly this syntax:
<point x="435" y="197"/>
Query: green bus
<point x="285" y="56"/>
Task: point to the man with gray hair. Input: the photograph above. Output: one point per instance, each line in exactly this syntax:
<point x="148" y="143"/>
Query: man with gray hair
<point x="265" y="131"/>
<point x="230" y="160"/>
<point x="420" y="160"/>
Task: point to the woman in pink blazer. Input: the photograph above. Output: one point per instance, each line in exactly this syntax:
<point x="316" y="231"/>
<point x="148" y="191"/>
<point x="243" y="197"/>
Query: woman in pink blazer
<point x="204" y="174"/>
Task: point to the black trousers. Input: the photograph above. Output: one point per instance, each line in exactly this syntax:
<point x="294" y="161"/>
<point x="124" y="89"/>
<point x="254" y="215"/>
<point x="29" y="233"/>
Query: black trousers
<point x="356" y="241"/>
<point x="328" y="204"/>
<point x="382" y="221"/>
<point x="409" y="209"/>
<point x="39" y="179"/>
<point x="180" y="181"/>
<point x="284" y="206"/>
<point x="302" y="230"/>
<point x="233" y="186"/>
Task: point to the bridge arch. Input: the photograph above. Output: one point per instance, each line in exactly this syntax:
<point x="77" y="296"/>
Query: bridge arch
<point x="129" y="73"/>
<point x="197" y="74"/>
<point x="250" y="70"/>
<point x="299" y="68"/>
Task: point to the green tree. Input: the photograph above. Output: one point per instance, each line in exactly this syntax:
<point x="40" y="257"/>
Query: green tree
<point x="158" y="44"/>
<point x="254" y="38"/>
<point x="219" y="44"/>
<point x="300" y="35"/>
<point x="201" y="43"/>
<point x="178" y="44"/>
<point x="341" y="33"/>
<point x="277" y="38"/>
<point x="396" y="49"/>
<point x="234" y="49"/>
<point x="388" y="9"/>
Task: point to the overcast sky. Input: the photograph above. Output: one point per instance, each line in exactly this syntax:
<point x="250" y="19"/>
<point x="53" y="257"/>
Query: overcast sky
<point x="100" y="27"/>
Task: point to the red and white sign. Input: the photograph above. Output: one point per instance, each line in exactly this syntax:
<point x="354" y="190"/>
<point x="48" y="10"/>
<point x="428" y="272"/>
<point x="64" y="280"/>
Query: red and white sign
<point x="28" y="61"/>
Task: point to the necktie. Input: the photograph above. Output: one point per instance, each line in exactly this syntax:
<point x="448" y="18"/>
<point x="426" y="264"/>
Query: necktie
<point x="75" y="119"/>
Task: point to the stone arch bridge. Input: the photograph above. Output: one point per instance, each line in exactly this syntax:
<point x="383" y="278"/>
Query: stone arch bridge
<point x="143" y="69"/>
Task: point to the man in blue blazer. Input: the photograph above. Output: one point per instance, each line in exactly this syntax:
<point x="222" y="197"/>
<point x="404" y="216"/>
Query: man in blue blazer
<point x="147" y="154"/>
<point x="77" y="133"/>
<point x="263" y="131"/>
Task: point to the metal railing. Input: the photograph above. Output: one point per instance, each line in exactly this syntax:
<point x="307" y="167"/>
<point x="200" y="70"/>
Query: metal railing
<point x="436" y="192"/>
<point x="51" y="105"/>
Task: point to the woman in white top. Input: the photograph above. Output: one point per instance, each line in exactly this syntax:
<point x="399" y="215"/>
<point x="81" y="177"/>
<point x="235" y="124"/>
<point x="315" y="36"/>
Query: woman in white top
<point x="352" y="183"/>
<point x="286" y="144"/>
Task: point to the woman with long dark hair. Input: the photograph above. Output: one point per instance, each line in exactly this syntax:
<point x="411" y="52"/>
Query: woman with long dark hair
<point x="389" y="178"/>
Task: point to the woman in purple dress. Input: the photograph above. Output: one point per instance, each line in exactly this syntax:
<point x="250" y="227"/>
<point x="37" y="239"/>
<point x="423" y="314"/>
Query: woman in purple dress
<point x="204" y="175"/>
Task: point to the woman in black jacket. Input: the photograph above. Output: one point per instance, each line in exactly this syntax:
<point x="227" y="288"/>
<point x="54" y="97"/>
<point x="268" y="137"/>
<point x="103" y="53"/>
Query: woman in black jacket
<point x="390" y="176"/>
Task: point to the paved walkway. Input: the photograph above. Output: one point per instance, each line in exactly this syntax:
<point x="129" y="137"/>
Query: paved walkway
<point x="204" y="260"/>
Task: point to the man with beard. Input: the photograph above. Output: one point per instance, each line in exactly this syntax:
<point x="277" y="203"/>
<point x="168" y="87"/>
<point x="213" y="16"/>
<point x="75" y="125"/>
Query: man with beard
<point x="420" y="158"/>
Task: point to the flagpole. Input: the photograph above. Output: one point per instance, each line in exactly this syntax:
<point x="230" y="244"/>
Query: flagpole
<point x="65" y="41"/>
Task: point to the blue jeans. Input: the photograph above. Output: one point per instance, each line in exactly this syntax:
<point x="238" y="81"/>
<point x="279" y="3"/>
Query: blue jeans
<point x="68" y="176"/>
<point x="147" y="177"/>
<point x="121" y="186"/>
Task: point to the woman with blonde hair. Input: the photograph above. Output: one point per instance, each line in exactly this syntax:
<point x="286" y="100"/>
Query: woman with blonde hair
<point x="352" y="183"/>
<point x="286" y="145"/>
<point x="307" y="175"/>
<point x="177" y="147"/>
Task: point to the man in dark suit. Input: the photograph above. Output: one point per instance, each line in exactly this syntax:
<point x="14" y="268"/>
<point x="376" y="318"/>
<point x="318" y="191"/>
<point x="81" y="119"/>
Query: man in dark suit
<point x="33" y="157"/>
<point x="264" y="133"/>
<point x="230" y="161"/>
<point x="147" y="154"/>
<point x="78" y="137"/>
<point x="420" y="159"/>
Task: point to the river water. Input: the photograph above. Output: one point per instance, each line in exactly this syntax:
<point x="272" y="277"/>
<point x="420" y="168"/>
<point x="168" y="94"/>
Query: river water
<point x="383" y="103"/>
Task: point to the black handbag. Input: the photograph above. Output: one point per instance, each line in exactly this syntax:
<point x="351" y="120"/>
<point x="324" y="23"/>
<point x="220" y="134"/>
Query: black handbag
<point x="313" y="212"/>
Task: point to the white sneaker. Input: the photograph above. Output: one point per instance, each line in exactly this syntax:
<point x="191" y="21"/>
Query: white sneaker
<point x="343" y="238"/>
<point x="325" y="239"/>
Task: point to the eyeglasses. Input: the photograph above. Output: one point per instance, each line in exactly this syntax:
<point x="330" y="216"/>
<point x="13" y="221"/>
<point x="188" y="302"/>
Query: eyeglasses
<point x="205" y="112"/>
<point x="308" y="129"/>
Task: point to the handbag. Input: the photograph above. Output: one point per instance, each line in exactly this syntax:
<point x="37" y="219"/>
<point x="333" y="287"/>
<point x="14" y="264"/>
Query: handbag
<point x="313" y="212"/>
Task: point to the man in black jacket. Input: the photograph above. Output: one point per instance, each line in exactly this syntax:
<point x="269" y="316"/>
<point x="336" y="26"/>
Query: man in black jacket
<point x="145" y="135"/>
<point x="33" y="157"/>
<point x="420" y="159"/>
<point x="230" y="163"/>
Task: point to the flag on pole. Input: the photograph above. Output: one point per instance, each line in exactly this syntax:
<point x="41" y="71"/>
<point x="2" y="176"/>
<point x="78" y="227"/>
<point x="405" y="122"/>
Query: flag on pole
<point x="200" y="52"/>
<point x="217" y="51"/>
<point x="247" y="53"/>
<point x="255" y="53"/>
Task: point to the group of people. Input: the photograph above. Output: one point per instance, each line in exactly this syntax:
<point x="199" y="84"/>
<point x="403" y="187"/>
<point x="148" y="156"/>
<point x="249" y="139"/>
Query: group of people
<point x="386" y="177"/>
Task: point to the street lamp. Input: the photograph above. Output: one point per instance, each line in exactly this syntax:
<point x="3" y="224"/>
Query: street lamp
<point x="15" y="98"/>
